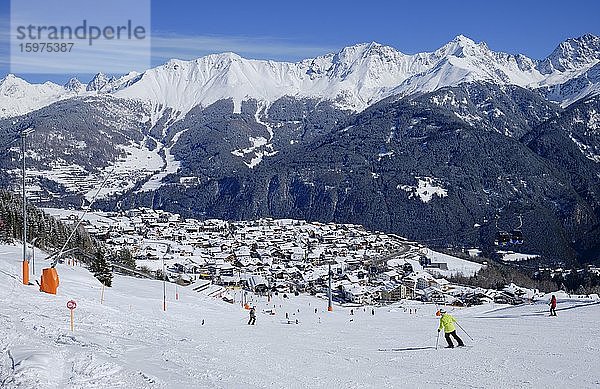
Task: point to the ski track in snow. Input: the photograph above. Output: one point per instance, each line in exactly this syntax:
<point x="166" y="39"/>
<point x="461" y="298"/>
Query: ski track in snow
<point x="129" y="342"/>
<point x="260" y="146"/>
<point x="139" y="163"/>
<point x="171" y="165"/>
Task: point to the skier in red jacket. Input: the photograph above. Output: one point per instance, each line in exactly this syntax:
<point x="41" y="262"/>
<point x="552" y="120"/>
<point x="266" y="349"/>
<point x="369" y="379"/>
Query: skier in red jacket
<point x="553" y="306"/>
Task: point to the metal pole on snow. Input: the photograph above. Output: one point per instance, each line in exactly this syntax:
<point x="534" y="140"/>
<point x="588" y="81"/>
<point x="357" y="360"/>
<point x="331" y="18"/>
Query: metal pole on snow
<point x="329" y="306"/>
<point x="464" y="331"/>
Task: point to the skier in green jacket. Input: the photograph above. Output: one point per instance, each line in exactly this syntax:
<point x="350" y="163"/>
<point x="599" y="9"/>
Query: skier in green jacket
<point x="447" y="323"/>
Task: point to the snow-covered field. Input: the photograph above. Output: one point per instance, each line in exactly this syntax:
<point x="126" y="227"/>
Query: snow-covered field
<point x="128" y="341"/>
<point x="139" y="163"/>
<point x="509" y="256"/>
<point x="455" y="265"/>
<point x="425" y="190"/>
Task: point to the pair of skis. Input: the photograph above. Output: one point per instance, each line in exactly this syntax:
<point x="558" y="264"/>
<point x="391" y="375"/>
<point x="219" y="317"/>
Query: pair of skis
<point x="415" y="348"/>
<point x="437" y="340"/>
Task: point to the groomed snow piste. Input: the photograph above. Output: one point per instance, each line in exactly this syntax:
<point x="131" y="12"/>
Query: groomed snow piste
<point x="129" y="342"/>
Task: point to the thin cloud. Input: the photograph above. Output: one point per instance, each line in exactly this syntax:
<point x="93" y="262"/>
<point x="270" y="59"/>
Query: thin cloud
<point x="109" y="58"/>
<point x="119" y="60"/>
<point x="166" y="46"/>
<point x="4" y="41"/>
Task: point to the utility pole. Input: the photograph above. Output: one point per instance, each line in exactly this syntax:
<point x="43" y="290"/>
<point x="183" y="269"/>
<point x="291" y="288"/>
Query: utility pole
<point x="24" y="134"/>
<point x="164" y="285"/>
<point x="330" y="306"/>
<point x="33" y="254"/>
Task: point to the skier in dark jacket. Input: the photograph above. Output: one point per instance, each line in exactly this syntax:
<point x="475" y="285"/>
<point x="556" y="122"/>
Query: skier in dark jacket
<point x="553" y="306"/>
<point x="252" y="316"/>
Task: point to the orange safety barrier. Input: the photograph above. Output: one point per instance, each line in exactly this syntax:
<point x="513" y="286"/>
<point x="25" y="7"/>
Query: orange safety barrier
<point x="25" y="272"/>
<point x="50" y="281"/>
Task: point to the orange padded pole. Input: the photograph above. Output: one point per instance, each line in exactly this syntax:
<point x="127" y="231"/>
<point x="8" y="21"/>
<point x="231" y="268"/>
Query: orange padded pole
<point x="25" y="272"/>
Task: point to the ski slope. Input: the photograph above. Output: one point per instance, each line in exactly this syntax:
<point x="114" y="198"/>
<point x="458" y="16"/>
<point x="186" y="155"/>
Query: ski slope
<point x="129" y="342"/>
<point x="455" y="265"/>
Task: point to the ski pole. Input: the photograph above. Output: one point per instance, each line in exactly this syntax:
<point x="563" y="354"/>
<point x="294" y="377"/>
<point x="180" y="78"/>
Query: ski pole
<point x="437" y="340"/>
<point x="464" y="331"/>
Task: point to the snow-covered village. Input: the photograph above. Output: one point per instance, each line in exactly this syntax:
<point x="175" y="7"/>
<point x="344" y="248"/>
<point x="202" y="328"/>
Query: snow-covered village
<point x="289" y="256"/>
<point x="286" y="256"/>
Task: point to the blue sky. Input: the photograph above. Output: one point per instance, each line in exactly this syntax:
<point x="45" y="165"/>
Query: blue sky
<point x="283" y="30"/>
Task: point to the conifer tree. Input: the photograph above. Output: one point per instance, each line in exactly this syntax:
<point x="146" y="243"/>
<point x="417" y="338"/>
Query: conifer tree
<point x="101" y="269"/>
<point x="125" y="258"/>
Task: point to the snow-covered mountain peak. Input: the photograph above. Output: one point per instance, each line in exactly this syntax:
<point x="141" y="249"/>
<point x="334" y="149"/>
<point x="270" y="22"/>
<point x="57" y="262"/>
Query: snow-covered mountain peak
<point x="223" y="57"/>
<point x="464" y="60"/>
<point x="461" y="46"/>
<point x="11" y="80"/>
<point x="175" y="64"/>
<point x="363" y="50"/>
<point x="366" y="51"/>
<point x="103" y="84"/>
<point x="573" y="54"/>
<point x="99" y="82"/>
<point x="18" y="97"/>
<point x="370" y="63"/>
<point x="12" y="86"/>
<point x="9" y="76"/>
<point x="74" y="85"/>
<point x="462" y="41"/>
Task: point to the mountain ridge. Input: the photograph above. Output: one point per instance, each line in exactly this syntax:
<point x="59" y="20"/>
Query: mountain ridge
<point x="353" y="78"/>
